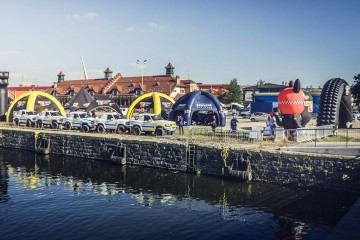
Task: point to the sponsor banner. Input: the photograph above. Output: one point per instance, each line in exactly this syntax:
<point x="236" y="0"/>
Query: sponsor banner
<point x="144" y="104"/>
<point x="102" y="102"/>
<point x="181" y="106"/>
<point x="309" y="104"/>
<point x="44" y="103"/>
<point x="204" y="105"/>
<point x="20" y="104"/>
<point x="166" y="104"/>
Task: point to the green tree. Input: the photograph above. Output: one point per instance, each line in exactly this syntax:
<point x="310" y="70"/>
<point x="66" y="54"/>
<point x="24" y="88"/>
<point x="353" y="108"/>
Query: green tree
<point x="259" y="84"/>
<point x="355" y="89"/>
<point x="233" y="93"/>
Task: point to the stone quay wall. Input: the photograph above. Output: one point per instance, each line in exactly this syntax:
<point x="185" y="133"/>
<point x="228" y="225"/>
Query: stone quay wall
<point x="300" y="169"/>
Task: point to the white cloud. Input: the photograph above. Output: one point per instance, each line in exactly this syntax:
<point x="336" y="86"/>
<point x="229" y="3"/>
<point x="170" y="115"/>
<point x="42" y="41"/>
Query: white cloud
<point x="155" y="26"/>
<point x="151" y="26"/>
<point x="85" y="15"/>
<point x="9" y="53"/>
<point x="129" y="29"/>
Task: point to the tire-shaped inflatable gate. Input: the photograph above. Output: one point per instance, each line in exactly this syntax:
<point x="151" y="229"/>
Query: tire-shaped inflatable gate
<point x="335" y="104"/>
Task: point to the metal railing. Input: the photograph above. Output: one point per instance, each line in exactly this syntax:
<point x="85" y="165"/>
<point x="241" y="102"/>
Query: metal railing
<point x="325" y="136"/>
<point x="315" y="136"/>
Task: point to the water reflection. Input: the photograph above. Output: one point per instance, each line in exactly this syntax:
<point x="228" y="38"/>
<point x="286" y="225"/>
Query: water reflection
<point x="293" y="209"/>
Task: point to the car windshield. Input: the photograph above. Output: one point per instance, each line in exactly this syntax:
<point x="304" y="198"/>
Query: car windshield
<point x="157" y="118"/>
<point x="116" y="116"/>
<point x="54" y="114"/>
<point x="84" y="115"/>
<point x="31" y="112"/>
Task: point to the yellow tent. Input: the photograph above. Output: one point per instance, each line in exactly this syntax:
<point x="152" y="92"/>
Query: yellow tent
<point x="156" y="106"/>
<point x="31" y="102"/>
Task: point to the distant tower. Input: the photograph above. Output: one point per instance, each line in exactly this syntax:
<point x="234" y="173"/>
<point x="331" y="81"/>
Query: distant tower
<point x="108" y="73"/>
<point x="4" y="82"/>
<point x="61" y="77"/>
<point x="169" y="69"/>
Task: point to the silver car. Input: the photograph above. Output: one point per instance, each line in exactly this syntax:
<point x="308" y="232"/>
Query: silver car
<point x="259" y="116"/>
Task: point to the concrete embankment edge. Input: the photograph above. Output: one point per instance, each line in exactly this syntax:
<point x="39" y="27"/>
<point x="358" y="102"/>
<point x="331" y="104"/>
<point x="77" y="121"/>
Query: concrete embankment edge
<point x="305" y="170"/>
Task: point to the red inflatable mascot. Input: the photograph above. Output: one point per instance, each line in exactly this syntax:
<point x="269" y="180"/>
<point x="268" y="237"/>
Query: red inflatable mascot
<point x="295" y="107"/>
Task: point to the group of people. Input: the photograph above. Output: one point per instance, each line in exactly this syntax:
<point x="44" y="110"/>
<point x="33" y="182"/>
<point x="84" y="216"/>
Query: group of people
<point x="180" y="123"/>
<point x="269" y="129"/>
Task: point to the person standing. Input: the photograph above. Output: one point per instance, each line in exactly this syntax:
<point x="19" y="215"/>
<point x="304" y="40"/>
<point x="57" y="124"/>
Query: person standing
<point x="233" y="124"/>
<point x="180" y="123"/>
<point x="213" y="123"/>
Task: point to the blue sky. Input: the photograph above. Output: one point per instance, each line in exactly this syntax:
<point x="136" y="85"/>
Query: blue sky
<point x="209" y="41"/>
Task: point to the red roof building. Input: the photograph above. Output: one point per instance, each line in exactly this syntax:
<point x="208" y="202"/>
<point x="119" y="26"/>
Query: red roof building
<point x="122" y="89"/>
<point x="215" y="89"/>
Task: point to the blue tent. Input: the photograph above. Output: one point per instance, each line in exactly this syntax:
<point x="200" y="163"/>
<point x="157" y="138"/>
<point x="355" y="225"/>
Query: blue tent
<point x="198" y="107"/>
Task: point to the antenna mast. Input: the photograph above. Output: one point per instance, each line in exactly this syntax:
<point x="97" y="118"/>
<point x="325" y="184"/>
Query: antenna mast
<point x="85" y="74"/>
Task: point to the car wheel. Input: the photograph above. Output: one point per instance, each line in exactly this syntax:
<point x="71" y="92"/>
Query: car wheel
<point x="55" y="125"/>
<point x="16" y="122"/>
<point x="137" y="130"/>
<point x="85" y="128"/>
<point x="253" y="119"/>
<point x="40" y="124"/>
<point x="28" y="123"/>
<point x="121" y="129"/>
<point x="100" y="129"/>
<point x="159" y="132"/>
<point x="67" y="126"/>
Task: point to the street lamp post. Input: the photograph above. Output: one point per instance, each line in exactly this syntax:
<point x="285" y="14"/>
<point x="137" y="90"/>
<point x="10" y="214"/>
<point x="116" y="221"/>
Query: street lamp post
<point x="142" y="72"/>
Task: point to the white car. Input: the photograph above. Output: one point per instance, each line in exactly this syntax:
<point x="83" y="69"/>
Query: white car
<point x="78" y="120"/>
<point x="24" y="117"/>
<point x="111" y="121"/>
<point x="48" y="118"/>
<point x="245" y="114"/>
<point x="259" y="116"/>
<point x="152" y="124"/>
<point x="356" y="115"/>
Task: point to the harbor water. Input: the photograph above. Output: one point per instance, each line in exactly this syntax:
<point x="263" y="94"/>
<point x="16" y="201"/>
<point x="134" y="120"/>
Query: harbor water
<point x="57" y="197"/>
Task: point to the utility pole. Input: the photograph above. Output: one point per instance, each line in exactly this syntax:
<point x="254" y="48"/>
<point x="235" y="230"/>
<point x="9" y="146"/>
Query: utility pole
<point x="142" y="64"/>
<point x="85" y="74"/>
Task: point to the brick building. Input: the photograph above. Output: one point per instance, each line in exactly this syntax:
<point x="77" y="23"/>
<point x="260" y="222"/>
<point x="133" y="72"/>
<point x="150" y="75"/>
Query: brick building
<point x="123" y="89"/>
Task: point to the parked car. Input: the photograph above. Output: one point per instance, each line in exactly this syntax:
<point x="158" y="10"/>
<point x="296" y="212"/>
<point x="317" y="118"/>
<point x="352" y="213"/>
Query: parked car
<point x="49" y="118"/>
<point x="78" y="120"/>
<point x="111" y="121"/>
<point x="245" y="114"/>
<point x="259" y="116"/>
<point x="152" y="124"/>
<point x="356" y="115"/>
<point x="24" y="117"/>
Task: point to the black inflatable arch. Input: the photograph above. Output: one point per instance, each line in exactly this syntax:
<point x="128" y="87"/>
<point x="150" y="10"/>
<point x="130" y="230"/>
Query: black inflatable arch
<point x="335" y="104"/>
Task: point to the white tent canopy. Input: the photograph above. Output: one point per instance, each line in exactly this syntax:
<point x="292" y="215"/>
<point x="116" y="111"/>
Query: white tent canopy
<point x="233" y="105"/>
